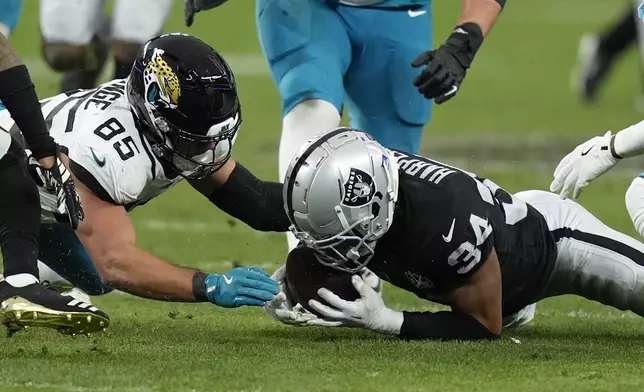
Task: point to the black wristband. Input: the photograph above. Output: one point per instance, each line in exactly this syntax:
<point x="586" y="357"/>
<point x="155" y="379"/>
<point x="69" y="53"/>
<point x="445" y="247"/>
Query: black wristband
<point x="443" y="326"/>
<point x="501" y="2"/>
<point x="465" y="41"/>
<point x="18" y="95"/>
<point x="199" y="286"/>
<point x="612" y="148"/>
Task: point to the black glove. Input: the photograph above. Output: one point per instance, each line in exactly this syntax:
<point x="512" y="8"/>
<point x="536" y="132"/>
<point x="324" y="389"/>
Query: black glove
<point x="58" y="182"/>
<point x="191" y="7"/>
<point x="446" y="66"/>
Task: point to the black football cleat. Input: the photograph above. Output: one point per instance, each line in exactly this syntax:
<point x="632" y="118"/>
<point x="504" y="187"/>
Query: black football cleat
<point x="591" y="69"/>
<point x="36" y="305"/>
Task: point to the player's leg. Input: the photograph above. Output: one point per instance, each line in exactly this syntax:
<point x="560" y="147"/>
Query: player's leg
<point x="520" y="318"/>
<point x="634" y="199"/>
<point x="23" y="301"/>
<point x="308" y="52"/>
<point x="71" y="43"/>
<point x="62" y="251"/>
<point x="9" y="16"/>
<point x="593" y="260"/>
<point x="134" y="23"/>
<point x="382" y="98"/>
<point x="597" y="54"/>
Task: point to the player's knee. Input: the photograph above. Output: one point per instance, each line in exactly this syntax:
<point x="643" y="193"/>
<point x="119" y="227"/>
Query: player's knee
<point x="634" y="199"/>
<point x="19" y="186"/>
<point x="125" y="51"/>
<point x="312" y="116"/>
<point x="64" y="57"/>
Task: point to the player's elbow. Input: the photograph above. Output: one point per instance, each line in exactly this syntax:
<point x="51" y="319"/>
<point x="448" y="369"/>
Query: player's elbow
<point x="113" y="268"/>
<point x="635" y="203"/>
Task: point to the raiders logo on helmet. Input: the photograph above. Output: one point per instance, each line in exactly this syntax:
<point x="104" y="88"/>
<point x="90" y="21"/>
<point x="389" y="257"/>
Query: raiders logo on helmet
<point x="359" y="189"/>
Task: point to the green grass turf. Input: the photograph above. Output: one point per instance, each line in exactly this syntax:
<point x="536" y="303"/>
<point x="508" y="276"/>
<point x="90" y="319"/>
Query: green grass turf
<point x="518" y="85"/>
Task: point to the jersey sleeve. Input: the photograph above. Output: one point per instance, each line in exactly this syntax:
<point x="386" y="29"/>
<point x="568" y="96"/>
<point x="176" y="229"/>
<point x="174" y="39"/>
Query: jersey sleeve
<point x="96" y="163"/>
<point x="466" y="235"/>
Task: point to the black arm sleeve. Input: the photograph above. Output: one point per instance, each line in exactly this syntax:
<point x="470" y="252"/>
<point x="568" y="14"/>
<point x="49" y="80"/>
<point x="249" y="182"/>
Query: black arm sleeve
<point x="19" y="97"/>
<point x="501" y="2"/>
<point x="257" y="203"/>
<point x="443" y="326"/>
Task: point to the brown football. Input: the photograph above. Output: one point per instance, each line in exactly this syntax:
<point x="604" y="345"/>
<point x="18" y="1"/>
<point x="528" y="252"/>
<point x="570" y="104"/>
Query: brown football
<point x="305" y="275"/>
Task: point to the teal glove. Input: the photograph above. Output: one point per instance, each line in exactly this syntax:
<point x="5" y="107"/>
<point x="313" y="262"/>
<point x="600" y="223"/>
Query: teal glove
<point x="241" y="286"/>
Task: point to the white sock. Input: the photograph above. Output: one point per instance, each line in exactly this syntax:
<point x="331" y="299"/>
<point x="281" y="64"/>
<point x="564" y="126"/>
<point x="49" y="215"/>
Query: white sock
<point x="4" y="30"/>
<point x="305" y="121"/>
<point x="21" y="280"/>
<point x="47" y="274"/>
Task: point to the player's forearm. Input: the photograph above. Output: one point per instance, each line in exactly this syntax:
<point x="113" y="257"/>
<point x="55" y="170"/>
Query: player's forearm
<point x="630" y="141"/>
<point x="443" y="326"/>
<point x="482" y="12"/>
<point x="141" y="273"/>
<point x="257" y="203"/>
<point x="18" y="95"/>
<point x="8" y="58"/>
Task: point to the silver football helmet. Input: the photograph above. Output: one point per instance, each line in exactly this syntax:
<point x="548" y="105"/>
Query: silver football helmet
<point x="340" y="192"/>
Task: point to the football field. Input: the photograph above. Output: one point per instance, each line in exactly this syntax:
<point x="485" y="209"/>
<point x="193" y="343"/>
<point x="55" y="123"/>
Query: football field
<point x="512" y="121"/>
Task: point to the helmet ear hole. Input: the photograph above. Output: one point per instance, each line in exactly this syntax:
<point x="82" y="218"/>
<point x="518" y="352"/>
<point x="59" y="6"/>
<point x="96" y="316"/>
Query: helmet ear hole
<point x="153" y="93"/>
<point x="375" y="209"/>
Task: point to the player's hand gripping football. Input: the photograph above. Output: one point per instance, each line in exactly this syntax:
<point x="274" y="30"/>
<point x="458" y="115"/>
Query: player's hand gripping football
<point x="584" y="164"/>
<point x="281" y="309"/>
<point x="368" y="312"/>
<point x="52" y="176"/>
<point x="446" y="67"/>
<point x="191" y="7"/>
<point x="241" y="286"/>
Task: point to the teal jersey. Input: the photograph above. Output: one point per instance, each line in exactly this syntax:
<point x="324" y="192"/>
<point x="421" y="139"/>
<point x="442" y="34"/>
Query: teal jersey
<point x="386" y="3"/>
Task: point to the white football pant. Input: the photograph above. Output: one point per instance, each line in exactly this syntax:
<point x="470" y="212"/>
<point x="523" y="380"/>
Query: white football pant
<point x="593" y="260"/>
<point x="77" y="21"/>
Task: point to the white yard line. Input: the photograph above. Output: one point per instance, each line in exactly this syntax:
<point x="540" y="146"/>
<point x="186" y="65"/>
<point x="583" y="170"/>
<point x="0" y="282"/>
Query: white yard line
<point x="74" y="388"/>
<point x="192" y="227"/>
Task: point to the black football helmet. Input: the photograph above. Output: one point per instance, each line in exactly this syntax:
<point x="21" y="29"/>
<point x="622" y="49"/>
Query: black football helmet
<point x="184" y="93"/>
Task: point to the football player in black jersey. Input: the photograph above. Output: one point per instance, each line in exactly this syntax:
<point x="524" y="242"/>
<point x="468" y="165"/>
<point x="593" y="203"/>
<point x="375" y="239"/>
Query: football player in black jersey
<point x="450" y="237"/>
<point x="23" y="301"/>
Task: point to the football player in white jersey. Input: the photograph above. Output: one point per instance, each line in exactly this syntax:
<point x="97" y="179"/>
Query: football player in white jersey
<point x="175" y="117"/>
<point x="75" y="36"/>
<point x="595" y="157"/>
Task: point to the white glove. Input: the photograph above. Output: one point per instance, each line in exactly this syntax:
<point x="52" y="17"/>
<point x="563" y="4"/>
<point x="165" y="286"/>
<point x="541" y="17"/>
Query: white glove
<point x="281" y="309"/>
<point x="367" y="312"/>
<point x="584" y="164"/>
<point x="372" y="280"/>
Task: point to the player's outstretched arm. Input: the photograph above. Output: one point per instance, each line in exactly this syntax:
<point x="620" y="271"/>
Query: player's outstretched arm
<point x="236" y="191"/>
<point x="476" y="310"/>
<point x="109" y="237"/>
<point x="595" y="157"/>
<point x="445" y="68"/>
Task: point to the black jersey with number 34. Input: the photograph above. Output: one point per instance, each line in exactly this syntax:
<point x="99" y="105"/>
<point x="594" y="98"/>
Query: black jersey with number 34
<point x="446" y="224"/>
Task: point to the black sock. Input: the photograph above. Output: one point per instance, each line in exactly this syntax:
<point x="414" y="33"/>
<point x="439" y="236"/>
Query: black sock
<point x="620" y="36"/>
<point x="19" y="214"/>
<point x="121" y="68"/>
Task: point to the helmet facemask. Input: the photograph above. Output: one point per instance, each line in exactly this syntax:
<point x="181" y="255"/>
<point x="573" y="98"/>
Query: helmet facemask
<point x="194" y="156"/>
<point x="350" y="250"/>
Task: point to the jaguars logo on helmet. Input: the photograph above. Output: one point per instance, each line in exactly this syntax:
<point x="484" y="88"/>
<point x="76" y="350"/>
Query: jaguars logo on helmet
<point x="161" y="83"/>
